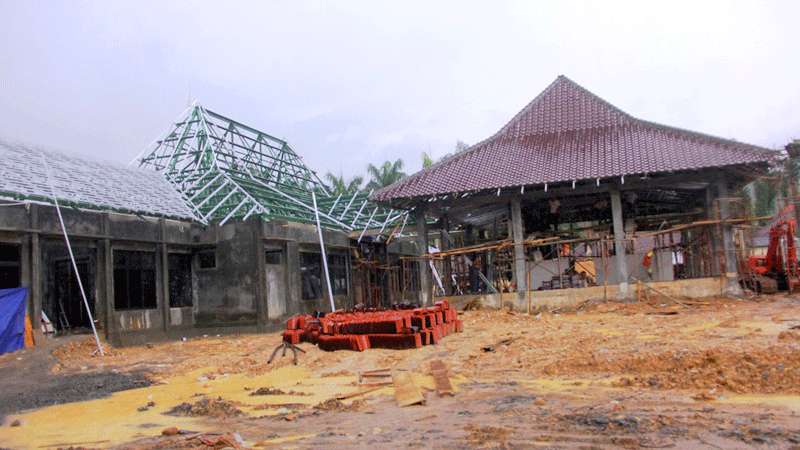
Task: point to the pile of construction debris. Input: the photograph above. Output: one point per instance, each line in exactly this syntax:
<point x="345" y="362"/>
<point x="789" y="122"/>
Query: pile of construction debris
<point x="387" y="328"/>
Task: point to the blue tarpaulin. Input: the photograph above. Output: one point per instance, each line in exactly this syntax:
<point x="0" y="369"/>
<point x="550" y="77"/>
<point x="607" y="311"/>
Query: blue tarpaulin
<point x="12" y="319"/>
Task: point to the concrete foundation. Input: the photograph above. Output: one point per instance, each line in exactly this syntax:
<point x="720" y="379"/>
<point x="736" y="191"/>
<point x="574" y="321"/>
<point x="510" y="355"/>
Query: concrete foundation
<point x="559" y="298"/>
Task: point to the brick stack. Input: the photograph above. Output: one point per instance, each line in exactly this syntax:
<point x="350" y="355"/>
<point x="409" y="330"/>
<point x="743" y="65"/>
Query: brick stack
<point x="360" y="330"/>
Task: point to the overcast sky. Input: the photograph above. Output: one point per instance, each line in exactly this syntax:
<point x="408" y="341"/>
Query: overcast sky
<point x="351" y="83"/>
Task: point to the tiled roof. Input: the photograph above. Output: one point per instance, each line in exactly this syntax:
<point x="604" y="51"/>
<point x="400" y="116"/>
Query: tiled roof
<point x="87" y="184"/>
<point x="569" y="134"/>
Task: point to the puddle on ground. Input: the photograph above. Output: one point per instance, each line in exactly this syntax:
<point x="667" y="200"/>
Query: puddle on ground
<point x="574" y="385"/>
<point x="115" y="419"/>
<point x="791" y="402"/>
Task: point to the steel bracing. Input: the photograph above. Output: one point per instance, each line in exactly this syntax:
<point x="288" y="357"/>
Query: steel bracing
<point x="226" y="170"/>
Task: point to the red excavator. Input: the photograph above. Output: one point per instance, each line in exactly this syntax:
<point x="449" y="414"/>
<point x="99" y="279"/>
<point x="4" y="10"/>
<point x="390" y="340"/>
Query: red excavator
<point x="778" y="269"/>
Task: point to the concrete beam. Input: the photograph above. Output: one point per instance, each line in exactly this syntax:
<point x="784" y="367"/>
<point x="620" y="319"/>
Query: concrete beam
<point x="425" y="295"/>
<point x="728" y="247"/>
<point x="619" y="242"/>
<point x="518" y="233"/>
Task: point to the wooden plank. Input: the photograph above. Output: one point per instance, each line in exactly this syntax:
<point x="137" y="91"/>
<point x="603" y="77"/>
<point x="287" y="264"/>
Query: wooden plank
<point x="358" y="393"/>
<point x="440" y="378"/>
<point x="406" y="393"/>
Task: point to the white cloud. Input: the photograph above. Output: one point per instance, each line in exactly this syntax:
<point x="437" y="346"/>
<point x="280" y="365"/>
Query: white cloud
<point x="353" y="82"/>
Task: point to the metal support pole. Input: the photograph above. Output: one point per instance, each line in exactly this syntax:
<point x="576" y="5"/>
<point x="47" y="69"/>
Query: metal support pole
<point x="72" y="257"/>
<point x="324" y="257"/>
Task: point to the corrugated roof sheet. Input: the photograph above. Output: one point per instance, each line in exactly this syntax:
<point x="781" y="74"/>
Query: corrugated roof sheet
<point x="569" y="134"/>
<point x="86" y="183"/>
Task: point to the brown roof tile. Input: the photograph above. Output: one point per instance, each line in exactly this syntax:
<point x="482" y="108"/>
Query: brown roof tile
<point x="569" y="134"/>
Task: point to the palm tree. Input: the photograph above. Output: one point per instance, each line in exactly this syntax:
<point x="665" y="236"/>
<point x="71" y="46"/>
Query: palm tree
<point x="388" y="173"/>
<point x="338" y="185"/>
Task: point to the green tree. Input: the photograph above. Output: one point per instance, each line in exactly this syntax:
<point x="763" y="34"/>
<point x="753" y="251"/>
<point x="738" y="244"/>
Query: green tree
<point x="764" y="194"/>
<point x="387" y="173"/>
<point x="338" y="185"/>
<point x="427" y="161"/>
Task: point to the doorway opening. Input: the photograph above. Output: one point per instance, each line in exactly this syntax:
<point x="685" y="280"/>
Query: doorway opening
<point x="62" y="302"/>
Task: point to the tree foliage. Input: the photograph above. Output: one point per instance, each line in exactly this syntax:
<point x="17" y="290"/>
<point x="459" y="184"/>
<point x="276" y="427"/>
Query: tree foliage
<point x="338" y="185"/>
<point x="387" y="173"/>
<point x="764" y="193"/>
<point x="427" y="161"/>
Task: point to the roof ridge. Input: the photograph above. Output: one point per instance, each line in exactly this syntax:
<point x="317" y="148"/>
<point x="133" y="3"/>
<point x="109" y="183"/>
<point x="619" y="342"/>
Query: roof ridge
<point x="563" y="108"/>
<point x="561" y="78"/>
<point x="699" y="134"/>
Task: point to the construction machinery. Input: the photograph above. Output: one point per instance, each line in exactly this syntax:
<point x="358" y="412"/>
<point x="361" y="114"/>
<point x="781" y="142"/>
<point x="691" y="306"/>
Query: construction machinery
<point x="778" y="269"/>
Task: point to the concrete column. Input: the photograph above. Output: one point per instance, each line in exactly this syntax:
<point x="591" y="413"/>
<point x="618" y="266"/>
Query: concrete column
<point x="387" y="284"/>
<point x="36" y="274"/>
<point x="511" y="236"/>
<point x="108" y="273"/>
<point x="293" y="290"/>
<point x="731" y="278"/>
<point x="518" y="231"/>
<point x="711" y="214"/>
<point x="262" y="303"/>
<point x="422" y="249"/>
<point x="619" y="242"/>
<point x="111" y="326"/>
<point x="445" y="244"/>
<point x="162" y="249"/>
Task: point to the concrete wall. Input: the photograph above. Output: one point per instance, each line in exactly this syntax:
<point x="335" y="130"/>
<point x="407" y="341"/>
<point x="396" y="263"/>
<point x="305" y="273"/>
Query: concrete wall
<point x="227" y="294"/>
<point x="558" y="298"/>
<point x="293" y="238"/>
<point x="661" y="265"/>
<point x="232" y="297"/>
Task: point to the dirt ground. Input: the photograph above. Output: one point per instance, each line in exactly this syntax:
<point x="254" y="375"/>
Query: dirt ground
<point x="29" y="382"/>
<point x="717" y="373"/>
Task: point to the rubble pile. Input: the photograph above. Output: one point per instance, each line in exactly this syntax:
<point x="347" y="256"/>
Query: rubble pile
<point x="388" y="328"/>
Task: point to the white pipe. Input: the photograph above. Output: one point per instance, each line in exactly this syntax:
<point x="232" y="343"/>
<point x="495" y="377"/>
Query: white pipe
<point x="252" y="210"/>
<point x="224" y="199"/>
<point x="322" y="247"/>
<point x="334" y="204"/>
<point x="71" y="256"/>
<point x="279" y="192"/>
<point x="403" y="227"/>
<point x="204" y="186"/>
<point x="347" y="208"/>
<point x="165" y="135"/>
<point x="367" y="225"/>
<point x="233" y="211"/>
<point x="359" y="213"/>
<point x="215" y="192"/>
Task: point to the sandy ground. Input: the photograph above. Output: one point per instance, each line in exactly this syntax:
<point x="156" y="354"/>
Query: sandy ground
<point x="716" y="373"/>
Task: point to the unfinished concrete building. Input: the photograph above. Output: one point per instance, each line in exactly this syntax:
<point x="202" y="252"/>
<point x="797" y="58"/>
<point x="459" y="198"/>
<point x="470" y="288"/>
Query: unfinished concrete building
<point x="218" y="230"/>
<point x="574" y="199"/>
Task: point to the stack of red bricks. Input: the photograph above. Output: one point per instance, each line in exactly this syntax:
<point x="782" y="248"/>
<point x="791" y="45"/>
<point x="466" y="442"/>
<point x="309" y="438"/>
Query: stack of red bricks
<point x="389" y="328"/>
